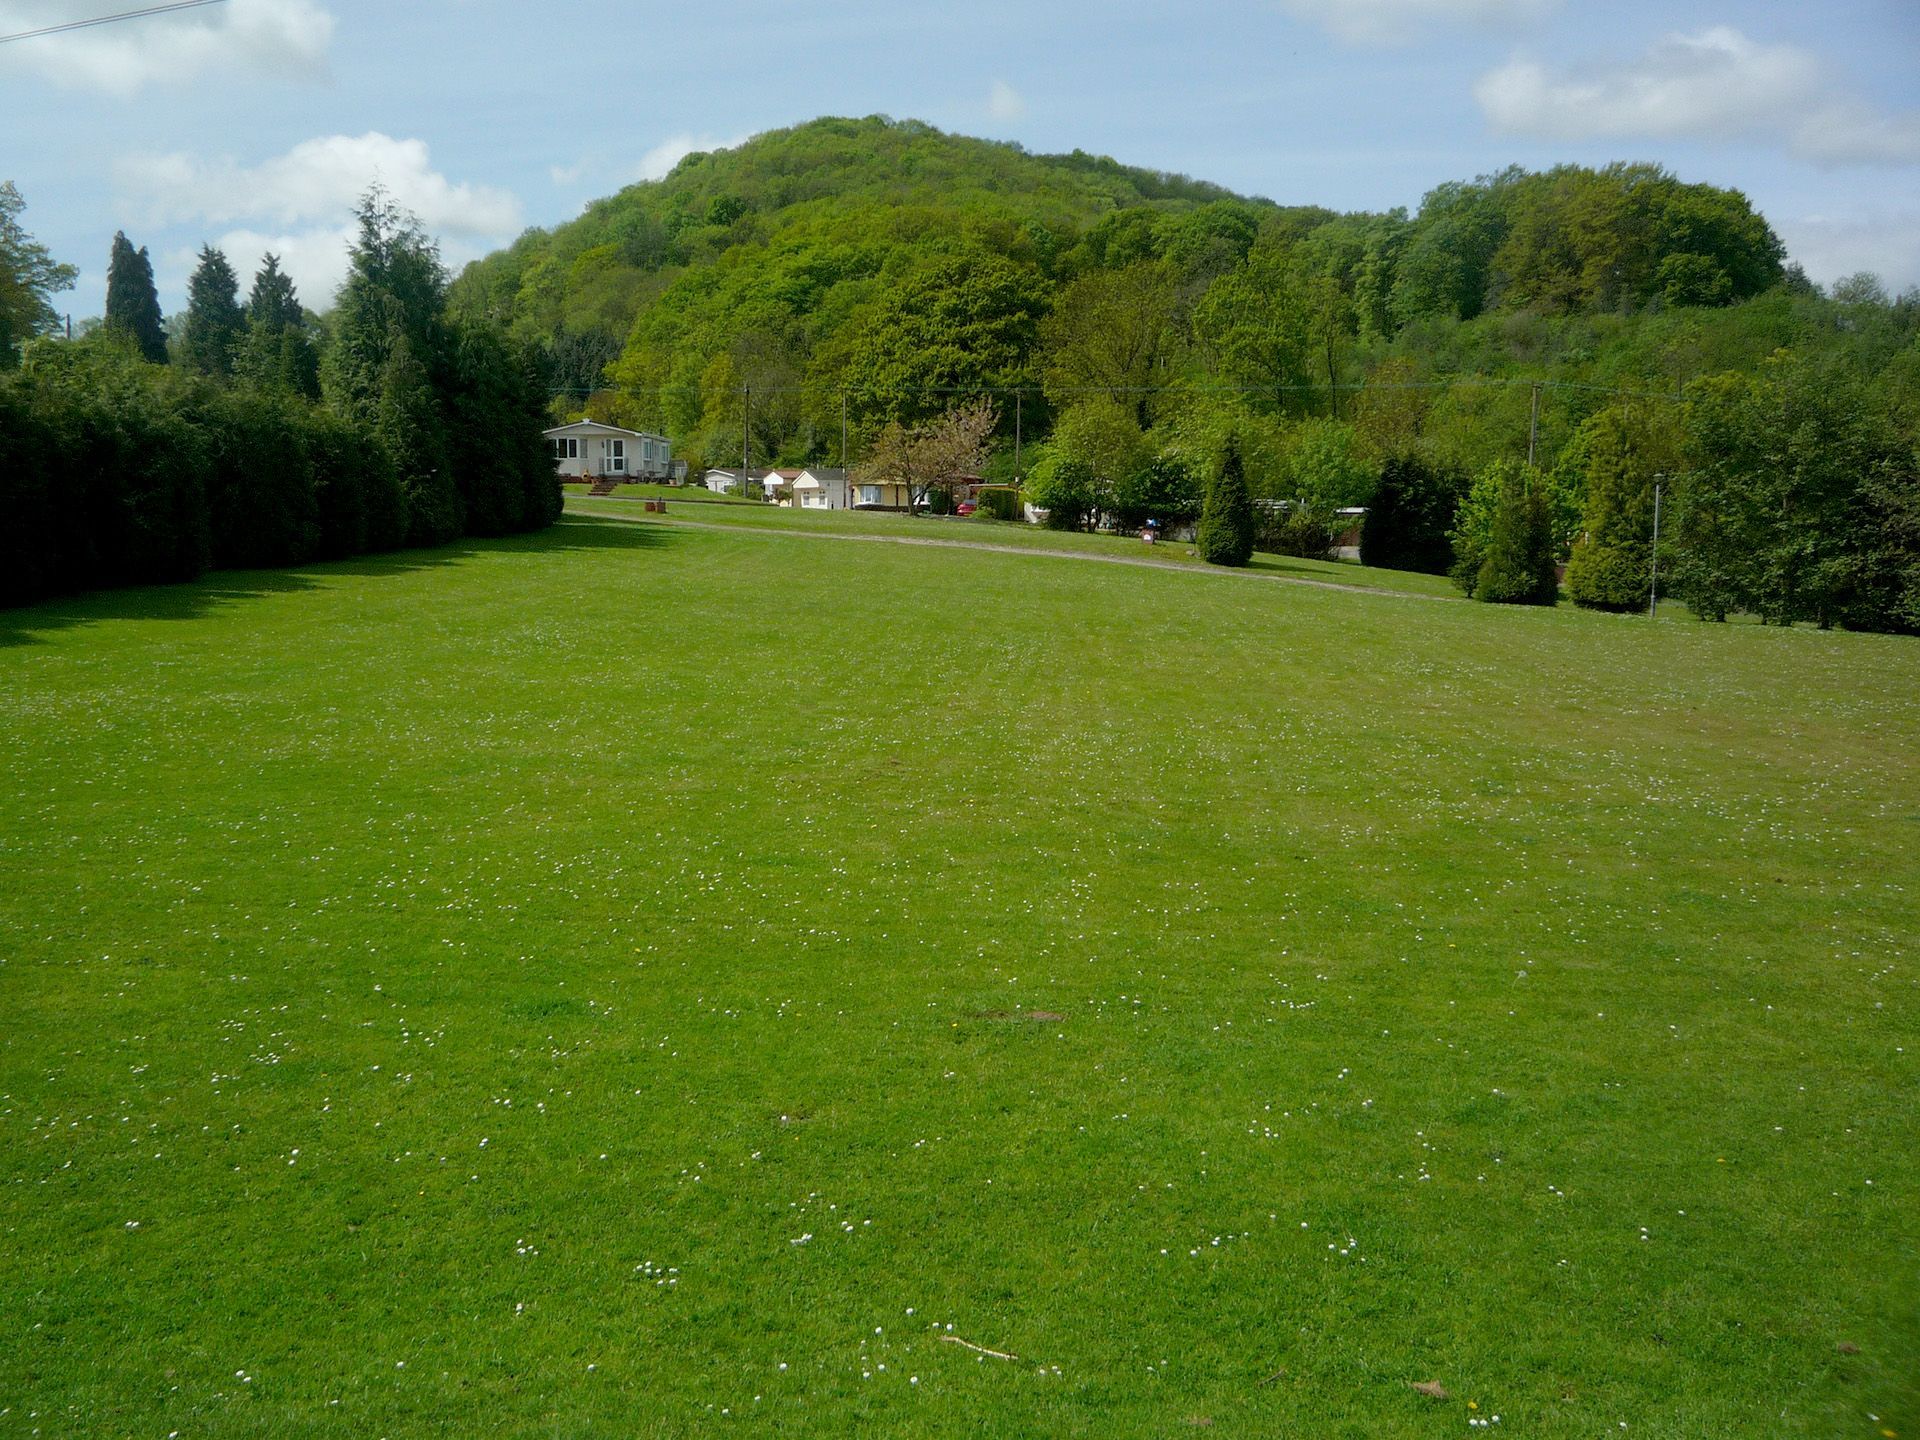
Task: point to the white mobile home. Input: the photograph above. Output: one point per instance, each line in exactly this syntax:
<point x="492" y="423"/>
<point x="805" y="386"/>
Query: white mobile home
<point x="587" y="449"/>
<point x="822" y="489"/>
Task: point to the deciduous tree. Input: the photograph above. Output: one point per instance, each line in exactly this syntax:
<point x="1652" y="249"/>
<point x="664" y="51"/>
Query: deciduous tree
<point x="29" y="277"/>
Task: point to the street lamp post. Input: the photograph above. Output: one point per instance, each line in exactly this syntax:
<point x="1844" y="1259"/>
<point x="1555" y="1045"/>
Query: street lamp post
<point x="1653" y="583"/>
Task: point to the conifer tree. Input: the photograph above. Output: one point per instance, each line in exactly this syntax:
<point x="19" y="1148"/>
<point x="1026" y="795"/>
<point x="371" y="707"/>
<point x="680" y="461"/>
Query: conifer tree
<point x="215" y="325"/>
<point x="1414" y="507"/>
<point x="1226" y="515"/>
<point x="133" y="305"/>
<point x="1518" y="568"/>
<point x="1612" y="561"/>
<point x="277" y="353"/>
<point x="389" y="349"/>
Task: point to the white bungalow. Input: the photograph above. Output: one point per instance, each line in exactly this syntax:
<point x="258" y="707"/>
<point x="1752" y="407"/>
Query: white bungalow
<point x="822" y="489"/>
<point x="587" y="449"/>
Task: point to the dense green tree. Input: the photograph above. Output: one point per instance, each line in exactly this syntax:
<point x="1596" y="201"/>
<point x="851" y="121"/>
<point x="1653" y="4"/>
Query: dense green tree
<point x="1110" y="335"/>
<point x="1518" y="566"/>
<point x="29" y="277"/>
<point x="1164" y="489"/>
<point x="133" y="305"/>
<point x="260" y="484"/>
<point x="388" y="358"/>
<point x="1624" y="452"/>
<point x="1226" y="515"/>
<point x="277" y="352"/>
<point x="1796" y="500"/>
<point x="1101" y="434"/>
<point x="500" y="458"/>
<point x="1257" y="327"/>
<point x="215" y="325"/>
<point x="960" y="324"/>
<point x="1067" y="489"/>
<point x="1413" y="510"/>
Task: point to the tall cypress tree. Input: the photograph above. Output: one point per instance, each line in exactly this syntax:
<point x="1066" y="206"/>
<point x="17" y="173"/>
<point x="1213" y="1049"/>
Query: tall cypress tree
<point x="1226" y="514"/>
<point x="215" y="324"/>
<point x="133" y="305"/>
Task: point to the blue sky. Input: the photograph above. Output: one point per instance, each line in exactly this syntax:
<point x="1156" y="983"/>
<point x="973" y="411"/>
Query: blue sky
<point x="254" y="123"/>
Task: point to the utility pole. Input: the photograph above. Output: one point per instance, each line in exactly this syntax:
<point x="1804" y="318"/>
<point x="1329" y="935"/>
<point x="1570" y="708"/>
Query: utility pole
<point x="843" y="430"/>
<point x="746" y="436"/>
<point x="1653" y="585"/>
<point x="1533" y="425"/>
<point x="1018" y="396"/>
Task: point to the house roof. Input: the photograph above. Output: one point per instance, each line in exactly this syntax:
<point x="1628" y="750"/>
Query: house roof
<point x="595" y="427"/>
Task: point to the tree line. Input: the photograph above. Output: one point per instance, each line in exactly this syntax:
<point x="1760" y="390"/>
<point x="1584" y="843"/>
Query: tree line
<point x="819" y="292"/>
<point x="257" y="435"/>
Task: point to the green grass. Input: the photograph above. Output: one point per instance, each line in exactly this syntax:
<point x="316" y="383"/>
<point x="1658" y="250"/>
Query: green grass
<point x="688" y="494"/>
<point x="1001" y="534"/>
<point x="440" y="992"/>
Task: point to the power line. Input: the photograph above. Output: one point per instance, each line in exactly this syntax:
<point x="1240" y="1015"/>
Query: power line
<point x="1193" y="388"/>
<point x="108" y="19"/>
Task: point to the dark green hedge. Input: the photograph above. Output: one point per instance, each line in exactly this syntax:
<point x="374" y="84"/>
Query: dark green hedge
<point x="117" y="472"/>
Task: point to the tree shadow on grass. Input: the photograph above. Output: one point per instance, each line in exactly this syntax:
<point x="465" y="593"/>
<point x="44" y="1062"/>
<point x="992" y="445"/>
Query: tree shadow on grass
<point x="223" y="588"/>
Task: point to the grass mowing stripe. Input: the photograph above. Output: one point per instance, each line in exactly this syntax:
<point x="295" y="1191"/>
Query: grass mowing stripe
<point x="599" y="982"/>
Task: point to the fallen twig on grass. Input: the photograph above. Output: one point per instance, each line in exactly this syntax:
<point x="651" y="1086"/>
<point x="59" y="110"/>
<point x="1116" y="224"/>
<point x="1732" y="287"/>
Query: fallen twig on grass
<point x="981" y="1349"/>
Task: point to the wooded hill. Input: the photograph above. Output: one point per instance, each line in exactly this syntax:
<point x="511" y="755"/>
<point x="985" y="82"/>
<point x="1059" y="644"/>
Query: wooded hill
<point x="893" y="265"/>
<point x="828" y="281"/>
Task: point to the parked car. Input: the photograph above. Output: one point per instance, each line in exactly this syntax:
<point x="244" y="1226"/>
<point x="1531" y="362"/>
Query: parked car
<point x="965" y="507"/>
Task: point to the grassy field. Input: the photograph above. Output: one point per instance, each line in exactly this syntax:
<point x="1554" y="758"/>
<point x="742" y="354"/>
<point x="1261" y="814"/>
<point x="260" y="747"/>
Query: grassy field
<point x="649" y="980"/>
<point x="881" y="524"/>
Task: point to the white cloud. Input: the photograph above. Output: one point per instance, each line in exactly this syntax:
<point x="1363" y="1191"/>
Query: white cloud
<point x="299" y="205"/>
<point x="318" y="179"/>
<point x="1399" y="22"/>
<point x="569" y="174"/>
<point x="1717" y="85"/>
<point x="241" y="38"/>
<point x="658" y="162"/>
<point x="316" y="258"/>
<point x="1005" y="103"/>
<point x="1832" y="246"/>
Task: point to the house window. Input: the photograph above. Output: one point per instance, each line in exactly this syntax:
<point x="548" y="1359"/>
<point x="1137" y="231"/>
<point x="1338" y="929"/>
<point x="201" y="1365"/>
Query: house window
<point x="869" y="494"/>
<point x="617" y="456"/>
<point x="566" y="448"/>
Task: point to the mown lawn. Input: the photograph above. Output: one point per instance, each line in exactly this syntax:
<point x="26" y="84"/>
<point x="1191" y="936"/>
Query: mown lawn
<point x="651" y="981"/>
<point x="953" y="530"/>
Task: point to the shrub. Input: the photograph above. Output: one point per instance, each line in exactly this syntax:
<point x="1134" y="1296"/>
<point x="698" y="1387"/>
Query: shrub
<point x="999" y="502"/>
<point x="1295" y="528"/>
<point x="1163" y="489"/>
<point x="1067" y="490"/>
